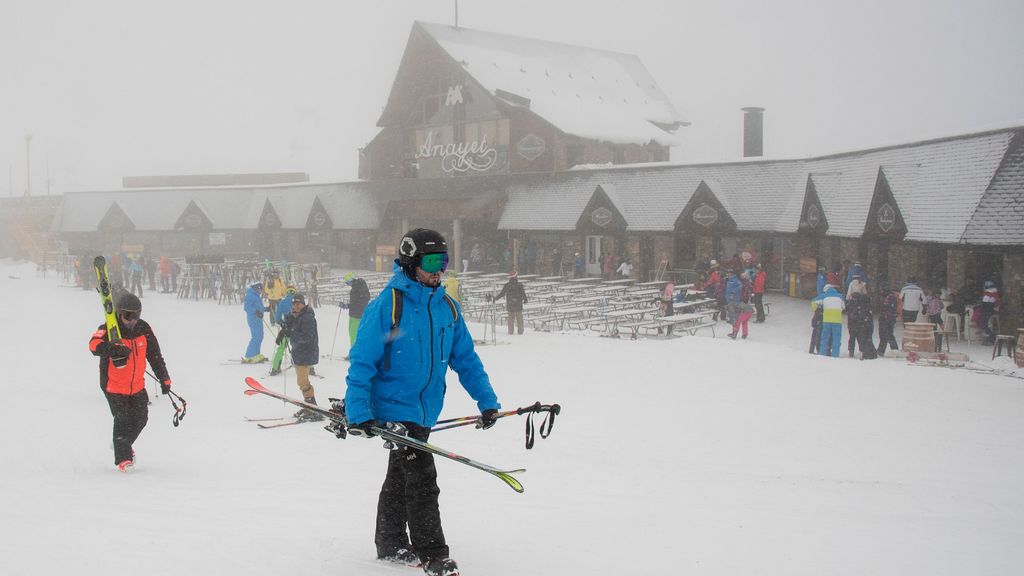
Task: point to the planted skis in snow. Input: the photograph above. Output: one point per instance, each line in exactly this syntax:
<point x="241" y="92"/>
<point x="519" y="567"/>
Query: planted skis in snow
<point x="504" y="475"/>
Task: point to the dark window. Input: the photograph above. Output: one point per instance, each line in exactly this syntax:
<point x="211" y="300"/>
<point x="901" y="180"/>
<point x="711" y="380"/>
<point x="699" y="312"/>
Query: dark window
<point x="574" y="154"/>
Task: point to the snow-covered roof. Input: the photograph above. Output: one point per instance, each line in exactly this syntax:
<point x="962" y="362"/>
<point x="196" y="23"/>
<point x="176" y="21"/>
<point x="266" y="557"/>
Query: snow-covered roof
<point x="939" y="186"/>
<point x="350" y="206"/>
<point x="968" y="189"/>
<point x="586" y="92"/>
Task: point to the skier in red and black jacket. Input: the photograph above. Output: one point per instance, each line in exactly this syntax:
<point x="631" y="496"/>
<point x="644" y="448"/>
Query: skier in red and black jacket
<point x="123" y="375"/>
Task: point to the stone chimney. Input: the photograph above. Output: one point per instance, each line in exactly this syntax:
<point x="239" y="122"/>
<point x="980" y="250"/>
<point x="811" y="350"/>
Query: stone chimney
<point x="753" y="132"/>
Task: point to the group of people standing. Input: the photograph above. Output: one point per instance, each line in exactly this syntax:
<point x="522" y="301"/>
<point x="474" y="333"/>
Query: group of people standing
<point x="738" y="291"/>
<point x="837" y="296"/>
<point x="132" y="271"/>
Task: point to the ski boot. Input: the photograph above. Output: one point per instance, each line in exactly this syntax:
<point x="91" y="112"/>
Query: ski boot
<point x="441" y="567"/>
<point x="275" y="371"/>
<point x="307" y="415"/>
<point x="126" y="467"/>
<point x="401" y="556"/>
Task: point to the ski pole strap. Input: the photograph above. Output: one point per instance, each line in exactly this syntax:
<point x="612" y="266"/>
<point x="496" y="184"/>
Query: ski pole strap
<point x="179" y="414"/>
<point x="545" y="426"/>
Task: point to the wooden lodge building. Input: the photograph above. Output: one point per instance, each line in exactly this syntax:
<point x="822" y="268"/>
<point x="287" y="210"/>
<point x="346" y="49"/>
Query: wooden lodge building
<point x="493" y="140"/>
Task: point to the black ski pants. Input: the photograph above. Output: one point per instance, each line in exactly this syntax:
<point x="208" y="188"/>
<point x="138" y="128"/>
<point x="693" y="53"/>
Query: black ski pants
<point x="759" y="306"/>
<point x="886" y="338"/>
<point x="863" y="339"/>
<point x="408" y="498"/>
<point x="130" y="416"/>
<point x="815" y="339"/>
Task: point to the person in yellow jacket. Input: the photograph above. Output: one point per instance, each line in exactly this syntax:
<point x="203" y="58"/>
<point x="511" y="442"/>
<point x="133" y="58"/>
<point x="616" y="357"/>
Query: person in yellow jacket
<point x="274" y="289"/>
<point x="451" y="286"/>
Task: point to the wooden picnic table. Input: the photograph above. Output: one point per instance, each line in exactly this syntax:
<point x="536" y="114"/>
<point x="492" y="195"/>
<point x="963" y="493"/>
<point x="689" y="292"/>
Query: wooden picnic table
<point x="584" y="279"/>
<point x="614" y="317"/>
<point x="637" y="292"/>
<point x="603" y="289"/>
<point x="524" y="277"/>
<point x="556" y="295"/>
<point x="549" y="279"/>
<point x="540" y="286"/>
<point x="693" y="304"/>
<point x="651" y="283"/>
<point x="625" y="281"/>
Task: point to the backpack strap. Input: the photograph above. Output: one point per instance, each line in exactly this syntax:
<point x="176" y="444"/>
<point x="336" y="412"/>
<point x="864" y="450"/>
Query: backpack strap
<point x="396" y="318"/>
<point x="396" y="313"/>
<point x="451" y="305"/>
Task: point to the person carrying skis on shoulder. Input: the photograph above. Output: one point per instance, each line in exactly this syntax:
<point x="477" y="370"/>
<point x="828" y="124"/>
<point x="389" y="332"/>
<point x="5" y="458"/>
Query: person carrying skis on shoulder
<point x="254" y="309"/>
<point x="123" y="375"/>
<point x="413" y="319"/>
<point x="300" y="329"/>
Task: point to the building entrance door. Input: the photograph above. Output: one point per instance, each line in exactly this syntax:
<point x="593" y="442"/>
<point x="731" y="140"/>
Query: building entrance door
<point x="593" y="255"/>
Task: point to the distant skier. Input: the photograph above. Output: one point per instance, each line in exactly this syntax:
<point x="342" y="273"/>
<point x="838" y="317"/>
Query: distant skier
<point x="300" y="328"/>
<point x="888" y="313"/>
<point x="280" y="317"/>
<point x="254" y="309"/>
<point x="123" y="375"/>
<point x="832" y="305"/>
<point x="515" y="298"/>
<point x="913" y="301"/>
<point x="358" y="298"/>
<point x="390" y="380"/>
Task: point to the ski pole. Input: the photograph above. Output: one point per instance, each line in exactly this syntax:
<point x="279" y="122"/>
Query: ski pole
<point x="179" y="413"/>
<point x="545" y="427"/>
<point x="336" y="326"/>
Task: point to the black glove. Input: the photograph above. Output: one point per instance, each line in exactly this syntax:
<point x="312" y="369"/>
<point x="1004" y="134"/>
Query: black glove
<point x="281" y="336"/>
<point x="488" y="418"/>
<point x="363" y="429"/>
<point x="117" y="350"/>
<point x="343" y="305"/>
<point x="165" y="387"/>
<point x="259" y="314"/>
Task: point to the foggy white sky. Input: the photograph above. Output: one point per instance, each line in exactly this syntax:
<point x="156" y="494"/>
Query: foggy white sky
<point x="140" y="87"/>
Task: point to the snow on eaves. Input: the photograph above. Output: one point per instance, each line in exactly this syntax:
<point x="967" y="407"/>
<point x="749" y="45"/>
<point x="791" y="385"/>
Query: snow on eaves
<point x="586" y="92"/>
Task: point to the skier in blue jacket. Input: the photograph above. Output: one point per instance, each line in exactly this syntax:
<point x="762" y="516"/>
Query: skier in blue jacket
<point x="254" y="309"/>
<point x="397" y="374"/>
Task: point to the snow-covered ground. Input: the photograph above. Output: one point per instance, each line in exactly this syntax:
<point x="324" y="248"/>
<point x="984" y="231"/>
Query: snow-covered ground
<point x="694" y="455"/>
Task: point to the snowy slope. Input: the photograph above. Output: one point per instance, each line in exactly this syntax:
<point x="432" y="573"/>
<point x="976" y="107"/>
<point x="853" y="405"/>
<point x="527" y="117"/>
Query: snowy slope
<point x="687" y="456"/>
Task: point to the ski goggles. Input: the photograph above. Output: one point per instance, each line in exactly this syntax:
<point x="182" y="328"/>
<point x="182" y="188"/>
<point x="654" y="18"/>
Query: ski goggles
<point x="129" y="315"/>
<point x="434" y="263"/>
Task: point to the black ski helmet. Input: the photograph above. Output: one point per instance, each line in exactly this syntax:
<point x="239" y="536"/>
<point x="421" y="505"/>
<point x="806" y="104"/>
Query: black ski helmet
<point x="415" y="243"/>
<point x="130" y="302"/>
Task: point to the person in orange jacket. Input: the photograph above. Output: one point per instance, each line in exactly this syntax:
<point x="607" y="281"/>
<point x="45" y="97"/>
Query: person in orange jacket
<point x="123" y="375"/>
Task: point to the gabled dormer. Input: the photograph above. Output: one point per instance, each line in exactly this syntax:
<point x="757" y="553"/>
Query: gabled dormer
<point x="193" y="217"/>
<point x="269" y="219"/>
<point x="602" y="214"/>
<point x="319" y="219"/>
<point x="116" y="220"/>
<point x="705" y="214"/>
<point x="812" y="214"/>
<point x="884" y="218"/>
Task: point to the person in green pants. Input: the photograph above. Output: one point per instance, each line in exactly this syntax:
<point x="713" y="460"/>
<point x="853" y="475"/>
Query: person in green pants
<point x="284" y="308"/>
<point x="358" y="298"/>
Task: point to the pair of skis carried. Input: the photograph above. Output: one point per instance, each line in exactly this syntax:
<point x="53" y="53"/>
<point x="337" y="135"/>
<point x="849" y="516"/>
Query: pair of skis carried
<point x="338" y="426"/>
